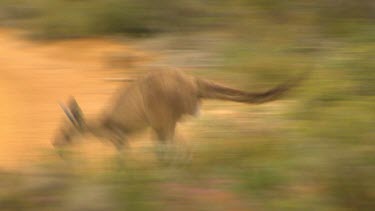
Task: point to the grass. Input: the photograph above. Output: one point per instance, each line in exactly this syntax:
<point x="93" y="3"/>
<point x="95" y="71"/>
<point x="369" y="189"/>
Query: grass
<point x="316" y="153"/>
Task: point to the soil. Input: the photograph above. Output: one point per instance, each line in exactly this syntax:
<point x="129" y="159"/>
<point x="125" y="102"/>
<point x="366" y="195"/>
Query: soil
<point x="36" y="76"/>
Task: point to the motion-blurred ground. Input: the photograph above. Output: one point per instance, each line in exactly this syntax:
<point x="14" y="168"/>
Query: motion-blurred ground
<point x="312" y="150"/>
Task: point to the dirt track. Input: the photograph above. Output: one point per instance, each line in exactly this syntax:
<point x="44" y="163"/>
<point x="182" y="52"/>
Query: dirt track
<point x="34" y="77"/>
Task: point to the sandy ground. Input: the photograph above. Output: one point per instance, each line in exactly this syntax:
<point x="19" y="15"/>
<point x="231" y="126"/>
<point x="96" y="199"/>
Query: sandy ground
<point x="34" y="77"/>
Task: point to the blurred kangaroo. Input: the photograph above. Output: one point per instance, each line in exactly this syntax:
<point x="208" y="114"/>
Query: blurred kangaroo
<point x="158" y="100"/>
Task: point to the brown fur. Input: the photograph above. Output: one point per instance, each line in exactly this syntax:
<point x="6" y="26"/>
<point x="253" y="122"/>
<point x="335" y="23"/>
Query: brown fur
<point x="158" y="100"/>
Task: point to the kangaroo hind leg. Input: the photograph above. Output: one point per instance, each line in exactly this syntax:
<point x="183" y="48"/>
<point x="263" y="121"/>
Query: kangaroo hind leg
<point x="165" y="138"/>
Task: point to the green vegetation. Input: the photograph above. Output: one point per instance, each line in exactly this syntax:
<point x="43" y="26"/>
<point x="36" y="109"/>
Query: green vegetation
<point x="314" y="151"/>
<point x="67" y="19"/>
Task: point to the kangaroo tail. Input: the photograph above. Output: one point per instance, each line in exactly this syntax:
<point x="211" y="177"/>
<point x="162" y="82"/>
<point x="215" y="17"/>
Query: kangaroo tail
<point x="211" y="90"/>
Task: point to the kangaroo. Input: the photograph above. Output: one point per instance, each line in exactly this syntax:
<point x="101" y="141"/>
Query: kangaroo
<point x="158" y="100"/>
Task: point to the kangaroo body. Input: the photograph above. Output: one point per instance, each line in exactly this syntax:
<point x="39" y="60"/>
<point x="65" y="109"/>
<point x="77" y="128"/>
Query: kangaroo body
<point x="158" y="100"/>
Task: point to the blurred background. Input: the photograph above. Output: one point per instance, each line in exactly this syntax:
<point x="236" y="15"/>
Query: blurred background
<point x="312" y="150"/>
